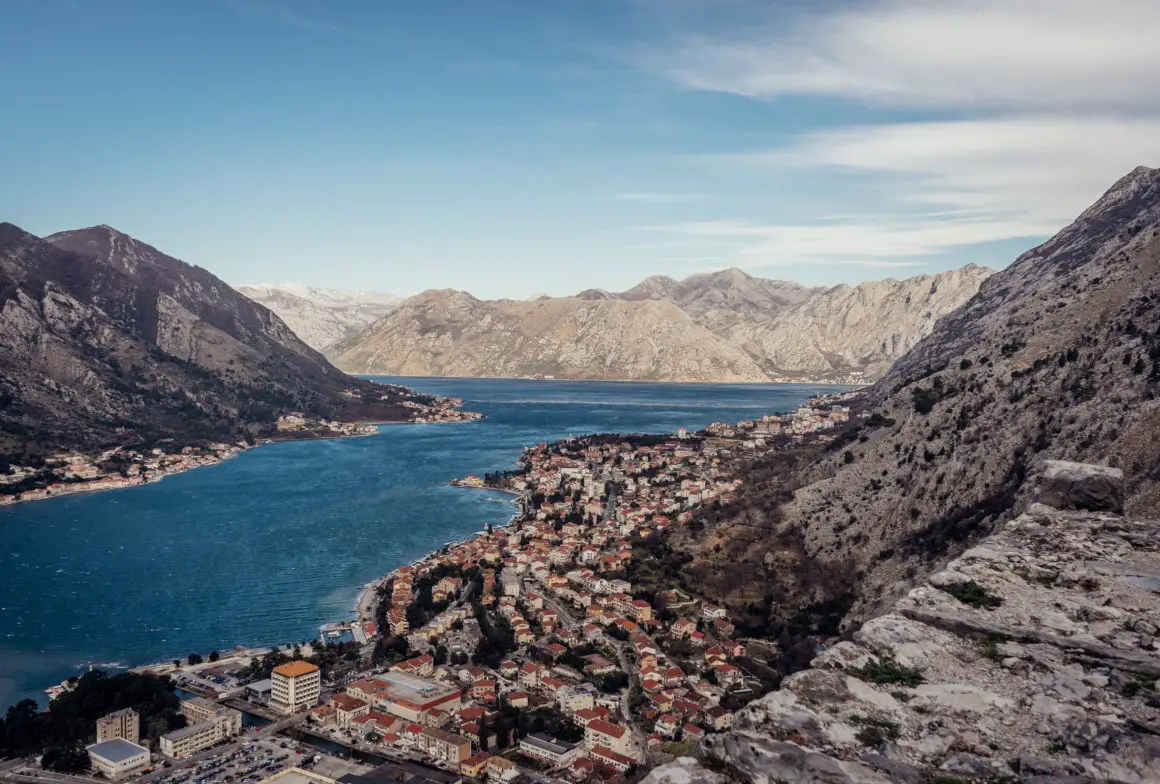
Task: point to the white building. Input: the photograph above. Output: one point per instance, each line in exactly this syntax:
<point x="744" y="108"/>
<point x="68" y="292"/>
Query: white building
<point x="553" y="751"/>
<point x="212" y="723"/>
<point x="118" y="758"/>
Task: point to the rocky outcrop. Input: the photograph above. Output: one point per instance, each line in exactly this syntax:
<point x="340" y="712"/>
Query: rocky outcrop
<point x="1067" y="485"/>
<point x="723" y="326"/>
<point x="321" y="316"/>
<point x="1034" y="656"/>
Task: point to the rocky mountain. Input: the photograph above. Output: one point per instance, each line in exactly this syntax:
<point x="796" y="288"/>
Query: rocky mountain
<point x="105" y="340"/>
<point x="1056" y="358"/>
<point x="1032" y="657"/>
<point x="320" y="316"/>
<point x="451" y="333"/>
<point x="722" y="326"/>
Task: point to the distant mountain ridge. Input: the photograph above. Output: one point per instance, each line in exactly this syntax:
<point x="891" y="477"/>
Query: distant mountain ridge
<point x="321" y="316"/>
<point x="720" y="326"/>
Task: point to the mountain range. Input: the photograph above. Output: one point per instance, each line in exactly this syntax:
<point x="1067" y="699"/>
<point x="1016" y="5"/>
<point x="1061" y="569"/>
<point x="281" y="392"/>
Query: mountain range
<point x="321" y="316"/>
<point x="106" y="341"/>
<point x="721" y="326"/>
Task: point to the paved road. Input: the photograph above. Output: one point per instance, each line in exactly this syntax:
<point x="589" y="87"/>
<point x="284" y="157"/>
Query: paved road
<point x="610" y="506"/>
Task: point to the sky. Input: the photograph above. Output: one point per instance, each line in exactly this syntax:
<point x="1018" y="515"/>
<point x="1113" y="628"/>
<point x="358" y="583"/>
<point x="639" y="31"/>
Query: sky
<point x="518" y="148"/>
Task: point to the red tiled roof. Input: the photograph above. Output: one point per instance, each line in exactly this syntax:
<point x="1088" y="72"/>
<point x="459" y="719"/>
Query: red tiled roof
<point x="605" y="728"/>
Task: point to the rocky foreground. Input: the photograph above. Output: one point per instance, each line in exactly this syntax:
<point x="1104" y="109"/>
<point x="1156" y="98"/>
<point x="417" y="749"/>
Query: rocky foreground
<point x="1032" y="657"/>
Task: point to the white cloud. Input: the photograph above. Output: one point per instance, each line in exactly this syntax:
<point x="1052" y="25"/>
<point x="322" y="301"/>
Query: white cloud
<point x="1038" y="171"/>
<point x="1044" y="104"/>
<point x="1006" y="54"/>
<point x="882" y="242"/>
<point x="939" y="186"/>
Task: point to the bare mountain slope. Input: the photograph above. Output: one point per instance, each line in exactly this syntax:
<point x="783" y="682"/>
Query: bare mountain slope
<point x="722" y="326"/>
<point x="451" y="333"/>
<point x="864" y="327"/>
<point x="320" y="316"/>
<point x="1056" y="357"/>
<point x="106" y="341"/>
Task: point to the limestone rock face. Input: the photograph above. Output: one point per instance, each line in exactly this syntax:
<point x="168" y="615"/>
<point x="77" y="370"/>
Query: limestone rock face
<point x="451" y="333"/>
<point x="1067" y="485"/>
<point x="684" y="770"/>
<point x="1034" y="655"/>
<point x="724" y="326"/>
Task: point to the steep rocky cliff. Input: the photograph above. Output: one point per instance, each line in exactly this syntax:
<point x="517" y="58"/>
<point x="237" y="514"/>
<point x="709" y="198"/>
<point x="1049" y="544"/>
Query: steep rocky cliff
<point x="1032" y="657"/>
<point x="320" y="316"/>
<point x="104" y="340"/>
<point x="1056" y="357"/>
<point x="723" y="326"/>
<point x="867" y="326"/>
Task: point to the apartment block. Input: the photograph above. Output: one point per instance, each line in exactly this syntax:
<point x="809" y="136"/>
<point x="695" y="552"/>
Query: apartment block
<point x="295" y="687"/>
<point x="120" y="724"/>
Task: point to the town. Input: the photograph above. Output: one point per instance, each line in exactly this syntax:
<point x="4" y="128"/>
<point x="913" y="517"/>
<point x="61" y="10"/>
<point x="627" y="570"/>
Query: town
<point x="117" y="468"/>
<point x="544" y="650"/>
<point x="112" y="469"/>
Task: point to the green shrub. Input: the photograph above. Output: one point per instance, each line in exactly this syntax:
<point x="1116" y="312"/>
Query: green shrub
<point x="887" y="670"/>
<point x="970" y="592"/>
<point x="875" y="732"/>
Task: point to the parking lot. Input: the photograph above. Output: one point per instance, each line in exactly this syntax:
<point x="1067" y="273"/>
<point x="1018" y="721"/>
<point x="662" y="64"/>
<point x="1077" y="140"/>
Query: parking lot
<point x="256" y="759"/>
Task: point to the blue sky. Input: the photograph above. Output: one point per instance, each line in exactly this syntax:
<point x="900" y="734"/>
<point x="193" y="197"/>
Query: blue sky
<point x="512" y="148"/>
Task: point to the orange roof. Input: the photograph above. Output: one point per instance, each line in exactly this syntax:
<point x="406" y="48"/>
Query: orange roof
<point x="295" y="668"/>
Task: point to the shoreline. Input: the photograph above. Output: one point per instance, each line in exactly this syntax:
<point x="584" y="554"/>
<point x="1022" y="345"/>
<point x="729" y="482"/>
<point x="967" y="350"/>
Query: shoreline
<point x="807" y="382"/>
<point x="80" y="487"/>
<point x="362" y="608"/>
<point x="368" y="589"/>
<point x="118" y="482"/>
<point x="364" y="604"/>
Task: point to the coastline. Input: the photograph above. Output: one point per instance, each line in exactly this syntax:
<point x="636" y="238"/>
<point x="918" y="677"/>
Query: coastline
<point x="805" y="382"/>
<point x="364" y="597"/>
<point x="117" y="482"/>
<point x="128" y="483"/>
<point x="363" y="607"/>
<point x="367" y="594"/>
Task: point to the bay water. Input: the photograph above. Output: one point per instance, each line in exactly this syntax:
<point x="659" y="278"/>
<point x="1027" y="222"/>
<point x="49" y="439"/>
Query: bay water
<point x="263" y="548"/>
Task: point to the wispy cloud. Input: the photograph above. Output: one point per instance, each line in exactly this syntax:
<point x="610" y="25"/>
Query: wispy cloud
<point x="1005" y="54"/>
<point x="1044" y="104"/>
<point x="1023" y="176"/>
<point x="880" y="243"/>
<point x="654" y="197"/>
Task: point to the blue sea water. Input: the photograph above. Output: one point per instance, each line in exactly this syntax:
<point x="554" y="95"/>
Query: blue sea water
<point x="263" y="548"/>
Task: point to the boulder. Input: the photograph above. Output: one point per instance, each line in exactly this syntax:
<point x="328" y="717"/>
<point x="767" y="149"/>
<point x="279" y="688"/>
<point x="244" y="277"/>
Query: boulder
<point x="1081" y="486"/>
<point x="683" y="770"/>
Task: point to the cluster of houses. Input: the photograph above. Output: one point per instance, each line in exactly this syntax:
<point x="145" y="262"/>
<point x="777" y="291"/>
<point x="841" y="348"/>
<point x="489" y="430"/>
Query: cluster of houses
<point x="627" y="671"/>
<point x="804" y="420"/>
<point x="443" y="410"/>
<point x="73" y="472"/>
<point x="293" y="422"/>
